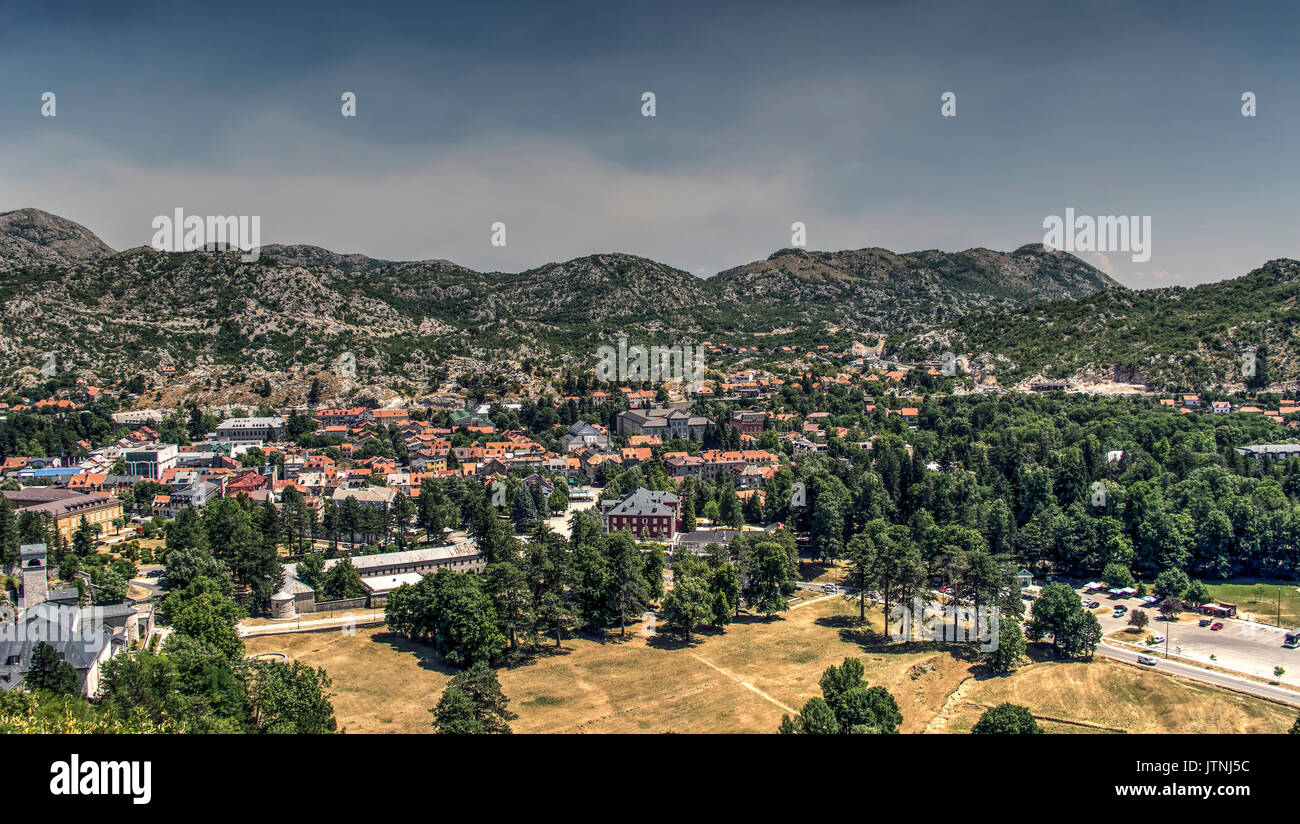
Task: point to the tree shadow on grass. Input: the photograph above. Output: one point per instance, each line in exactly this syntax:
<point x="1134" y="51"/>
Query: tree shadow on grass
<point x="811" y="569"/>
<point x="854" y="631"/>
<point x="426" y="654"/>
<point x="674" y="641"/>
<point x="527" y="656"/>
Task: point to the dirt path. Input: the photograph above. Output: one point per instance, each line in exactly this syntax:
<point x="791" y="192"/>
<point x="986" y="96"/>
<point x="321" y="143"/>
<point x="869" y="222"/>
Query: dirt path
<point x="745" y="684"/>
<point x="940" y="721"/>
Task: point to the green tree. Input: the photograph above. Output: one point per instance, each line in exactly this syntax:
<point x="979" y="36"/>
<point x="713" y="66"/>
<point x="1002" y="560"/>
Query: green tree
<point x="765" y="565"/>
<point x="1058" y="612"/>
<point x="511" y="600"/>
<point x="1007" y="719"/>
<point x="455" y="714"/>
<point x="341" y="581"/>
<point x="868" y="710"/>
<point x="289" y="698"/>
<point x="1172" y="583"/>
<point x="48" y="671"/>
<point x="816" y="718"/>
<point x="1117" y="575"/>
<point x="1010" y="649"/>
<point x="473" y="703"/>
<point x="687" y="605"/>
<point x="201" y="611"/>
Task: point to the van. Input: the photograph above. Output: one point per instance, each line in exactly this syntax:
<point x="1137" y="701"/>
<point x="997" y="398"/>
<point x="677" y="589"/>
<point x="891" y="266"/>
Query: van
<point x="1147" y="659"/>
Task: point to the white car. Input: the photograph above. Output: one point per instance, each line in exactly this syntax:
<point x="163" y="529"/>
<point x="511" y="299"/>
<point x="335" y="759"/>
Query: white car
<point x="828" y="588"/>
<point x="1159" y="639"/>
<point x="1147" y="659"/>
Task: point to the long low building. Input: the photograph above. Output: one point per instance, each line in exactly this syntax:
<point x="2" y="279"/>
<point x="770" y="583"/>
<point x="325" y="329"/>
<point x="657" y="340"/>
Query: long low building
<point x="664" y="423"/>
<point x="251" y="429"/>
<point x="67" y="508"/>
<point x="1271" y="451"/>
<point x="380" y="574"/>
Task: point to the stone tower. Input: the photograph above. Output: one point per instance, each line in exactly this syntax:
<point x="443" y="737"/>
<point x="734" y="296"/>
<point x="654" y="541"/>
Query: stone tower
<point x="36" y="588"/>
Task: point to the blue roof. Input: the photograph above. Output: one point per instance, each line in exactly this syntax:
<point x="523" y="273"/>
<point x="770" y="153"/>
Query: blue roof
<point x="53" y="471"/>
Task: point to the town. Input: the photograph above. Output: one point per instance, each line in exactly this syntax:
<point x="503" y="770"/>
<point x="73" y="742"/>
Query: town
<point x="678" y="510"/>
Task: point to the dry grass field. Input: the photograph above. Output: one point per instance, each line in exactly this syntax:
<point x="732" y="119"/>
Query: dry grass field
<point x="743" y="680"/>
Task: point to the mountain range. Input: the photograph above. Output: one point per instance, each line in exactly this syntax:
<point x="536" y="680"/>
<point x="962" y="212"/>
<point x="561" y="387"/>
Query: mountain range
<point x="226" y="327"/>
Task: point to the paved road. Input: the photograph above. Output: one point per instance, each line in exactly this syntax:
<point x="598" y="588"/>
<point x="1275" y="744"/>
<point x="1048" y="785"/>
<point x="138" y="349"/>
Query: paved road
<point x="362" y="618"/>
<point x="1206" y="676"/>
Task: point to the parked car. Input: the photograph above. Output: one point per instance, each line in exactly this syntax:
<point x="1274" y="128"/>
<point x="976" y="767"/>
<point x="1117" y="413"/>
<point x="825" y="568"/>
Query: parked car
<point x="1147" y="659"/>
<point x="1217" y="625"/>
<point x="1205" y="622"/>
<point x="1091" y="604"/>
<point x="154" y="573"/>
<point x="1150" y="599"/>
<point x="1159" y="639"/>
<point x="1121" y="609"/>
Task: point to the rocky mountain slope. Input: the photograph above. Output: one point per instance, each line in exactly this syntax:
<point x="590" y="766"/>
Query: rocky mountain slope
<point x="1174" y="338"/>
<point x="30" y="237"/>
<point x="299" y="310"/>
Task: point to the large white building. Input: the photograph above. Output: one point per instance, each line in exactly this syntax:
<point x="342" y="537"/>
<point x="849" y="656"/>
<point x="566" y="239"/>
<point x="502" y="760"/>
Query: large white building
<point x="250" y="429"/>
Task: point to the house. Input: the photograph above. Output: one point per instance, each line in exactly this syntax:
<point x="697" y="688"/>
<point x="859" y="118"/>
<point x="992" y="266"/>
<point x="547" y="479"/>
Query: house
<point x="1220" y="407"/>
<point x="582" y="435"/>
<point x="748" y="422"/>
<point x="194" y="495"/>
<point x="681" y="466"/>
<point x="150" y="461"/>
<point x="634" y="455"/>
<point x="375" y="497"/>
<point x="700" y="539"/>
<point x="646" y="513"/>
<point x="468" y="418"/>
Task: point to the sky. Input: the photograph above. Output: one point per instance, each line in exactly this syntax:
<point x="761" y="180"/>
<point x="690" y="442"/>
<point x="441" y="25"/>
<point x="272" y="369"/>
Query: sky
<point x="766" y="114"/>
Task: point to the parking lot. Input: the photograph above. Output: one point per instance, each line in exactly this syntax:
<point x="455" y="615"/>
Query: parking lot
<point x="1242" y="646"/>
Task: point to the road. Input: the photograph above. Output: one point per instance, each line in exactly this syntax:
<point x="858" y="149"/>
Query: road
<point x="362" y="618"/>
<point x="1219" y="679"/>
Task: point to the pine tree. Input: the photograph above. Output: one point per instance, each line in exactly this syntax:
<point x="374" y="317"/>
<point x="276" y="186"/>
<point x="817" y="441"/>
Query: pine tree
<point x="48" y="671"/>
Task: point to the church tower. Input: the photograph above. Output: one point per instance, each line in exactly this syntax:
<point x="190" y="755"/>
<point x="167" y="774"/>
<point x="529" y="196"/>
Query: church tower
<point x="36" y="587"/>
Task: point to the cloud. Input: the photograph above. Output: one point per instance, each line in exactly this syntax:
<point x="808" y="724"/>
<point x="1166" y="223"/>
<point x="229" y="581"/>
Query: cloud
<point x="1099" y="260"/>
<point x="557" y="200"/>
<point x="1161" y="277"/>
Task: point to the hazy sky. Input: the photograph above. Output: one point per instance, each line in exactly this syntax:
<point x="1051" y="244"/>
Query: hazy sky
<point x="530" y="114"/>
